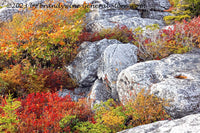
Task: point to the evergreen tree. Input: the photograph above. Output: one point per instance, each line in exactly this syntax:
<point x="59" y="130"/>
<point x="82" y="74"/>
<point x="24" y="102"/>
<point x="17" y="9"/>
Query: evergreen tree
<point x="183" y="9"/>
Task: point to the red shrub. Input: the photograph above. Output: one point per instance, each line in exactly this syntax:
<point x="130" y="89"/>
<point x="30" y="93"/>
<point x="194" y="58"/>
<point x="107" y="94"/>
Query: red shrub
<point x="184" y="33"/>
<point x="83" y="111"/>
<point x="56" y="79"/>
<point x="179" y="39"/>
<point x="41" y="112"/>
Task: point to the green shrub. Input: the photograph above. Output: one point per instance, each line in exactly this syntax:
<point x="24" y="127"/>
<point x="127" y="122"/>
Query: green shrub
<point x="8" y="118"/>
<point x="87" y="127"/>
<point x="111" y="115"/>
<point x="68" y="120"/>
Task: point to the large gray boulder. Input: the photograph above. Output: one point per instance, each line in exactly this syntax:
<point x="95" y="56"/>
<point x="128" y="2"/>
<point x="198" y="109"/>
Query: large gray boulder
<point x="187" y="124"/>
<point x="85" y="65"/>
<point x="114" y="59"/>
<point x="99" y="92"/>
<point x="107" y="58"/>
<point x="175" y="78"/>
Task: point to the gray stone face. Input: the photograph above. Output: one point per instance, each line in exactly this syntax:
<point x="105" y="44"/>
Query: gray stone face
<point x="156" y="15"/>
<point x="157" y="5"/>
<point x="76" y="94"/>
<point x="109" y="13"/>
<point x="7" y="2"/>
<point x="99" y="92"/>
<point x="134" y="22"/>
<point x="175" y="78"/>
<point x="187" y="124"/>
<point x="131" y="23"/>
<point x="85" y="65"/>
<point x="109" y="57"/>
<point x="114" y="59"/>
<point x="98" y="25"/>
<point x="35" y="2"/>
<point x="7" y="13"/>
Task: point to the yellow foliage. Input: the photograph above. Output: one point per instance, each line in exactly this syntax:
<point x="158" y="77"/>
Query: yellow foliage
<point x="111" y="119"/>
<point x="12" y="76"/>
<point x="21" y="79"/>
<point x="146" y="108"/>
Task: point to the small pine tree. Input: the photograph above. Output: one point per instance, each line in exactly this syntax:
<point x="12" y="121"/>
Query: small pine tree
<point x="180" y="12"/>
<point x="8" y="118"/>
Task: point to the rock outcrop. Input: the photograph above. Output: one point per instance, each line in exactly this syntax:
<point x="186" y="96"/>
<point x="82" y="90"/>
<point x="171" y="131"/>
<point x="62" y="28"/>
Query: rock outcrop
<point x="152" y="5"/>
<point x="175" y="78"/>
<point x="75" y="94"/>
<point x="109" y="13"/>
<point x="114" y="59"/>
<point x="187" y="124"/>
<point x="101" y="62"/>
<point x="85" y="65"/>
<point x="11" y="7"/>
<point x="11" y="2"/>
<point x="130" y="22"/>
<point x="99" y="92"/>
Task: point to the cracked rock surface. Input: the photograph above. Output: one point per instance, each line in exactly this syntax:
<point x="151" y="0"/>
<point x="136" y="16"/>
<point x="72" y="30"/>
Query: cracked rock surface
<point x="175" y="78"/>
<point x="102" y="60"/>
<point x="85" y="65"/>
<point x="114" y="59"/>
